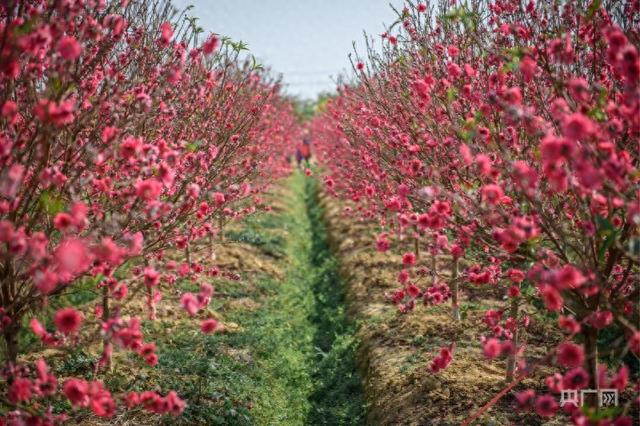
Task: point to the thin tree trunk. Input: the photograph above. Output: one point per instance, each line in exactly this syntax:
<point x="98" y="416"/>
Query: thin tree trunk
<point x="416" y="245"/>
<point x="106" y="344"/>
<point x="10" y="334"/>
<point x="455" y="304"/>
<point x="11" y="331"/>
<point x="434" y="266"/>
<point x="151" y="303"/>
<point x="591" y="362"/>
<point x="512" y="359"/>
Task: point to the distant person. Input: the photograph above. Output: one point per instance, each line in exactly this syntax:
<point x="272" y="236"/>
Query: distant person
<point x="303" y="152"/>
<point x="299" y="156"/>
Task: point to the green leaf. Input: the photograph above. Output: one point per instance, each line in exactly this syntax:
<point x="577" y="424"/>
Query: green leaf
<point x="191" y="147"/>
<point x="254" y="64"/>
<point x="51" y="204"/>
<point x="466" y="135"/>
<point x="604" y="226"/>
<point x="593" y="8"/>
<point x="98" y="279"/>
<point x="528" y="290"/>
<point x="238" y="46"/>
<point x="55" y="85"/>
<point x="602" y="97"/>
<point x="512" y="65"/>
<point x="23" y="29"/>
<point x="602" y="413"/>
<point x="454" y="15"/>
<point x="451" y="94"/>
<point x="597" y="114"/>
<point x="608" y="242"/>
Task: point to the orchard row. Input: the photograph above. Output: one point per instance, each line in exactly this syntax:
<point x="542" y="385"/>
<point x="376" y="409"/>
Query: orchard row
<point x="504" y="137"/>
<point x="124" y="134"/>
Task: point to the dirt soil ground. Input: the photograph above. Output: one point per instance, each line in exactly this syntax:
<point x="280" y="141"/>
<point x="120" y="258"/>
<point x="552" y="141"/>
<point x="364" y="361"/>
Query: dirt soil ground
<point x="396" y="349"/>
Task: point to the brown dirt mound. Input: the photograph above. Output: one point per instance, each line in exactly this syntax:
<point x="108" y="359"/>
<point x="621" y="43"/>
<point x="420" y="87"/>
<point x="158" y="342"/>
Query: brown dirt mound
<point x="396" y="349"/>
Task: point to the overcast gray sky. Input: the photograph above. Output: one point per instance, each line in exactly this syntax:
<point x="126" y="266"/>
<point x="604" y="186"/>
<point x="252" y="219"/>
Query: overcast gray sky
<point x="306" y="40"/>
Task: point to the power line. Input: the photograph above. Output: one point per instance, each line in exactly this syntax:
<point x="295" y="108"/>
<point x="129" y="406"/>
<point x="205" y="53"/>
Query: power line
<point x="325" y="72"/>
<point x="311" y="83"/>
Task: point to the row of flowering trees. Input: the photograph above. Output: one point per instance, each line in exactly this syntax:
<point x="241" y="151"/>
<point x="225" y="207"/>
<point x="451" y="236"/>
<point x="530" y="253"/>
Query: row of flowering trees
<point x="122" y="136"/>
<point x="506" y="134"/>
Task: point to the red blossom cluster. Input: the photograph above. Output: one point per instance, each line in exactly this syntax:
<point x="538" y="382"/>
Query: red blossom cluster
<point x="121" y="138"/>
<point x="442" y="360"/>
<point x="503" y="136"/>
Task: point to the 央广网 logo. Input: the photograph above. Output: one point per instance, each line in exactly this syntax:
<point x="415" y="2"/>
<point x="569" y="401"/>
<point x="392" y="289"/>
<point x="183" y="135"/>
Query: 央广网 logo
<point x="606" y="397"/>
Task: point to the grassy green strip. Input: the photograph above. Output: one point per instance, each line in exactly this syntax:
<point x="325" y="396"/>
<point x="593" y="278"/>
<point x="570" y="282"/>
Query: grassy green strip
<point x="337" y="396"/>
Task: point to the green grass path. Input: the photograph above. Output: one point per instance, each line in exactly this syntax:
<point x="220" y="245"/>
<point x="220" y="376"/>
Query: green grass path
<point x="297" y="366"/>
